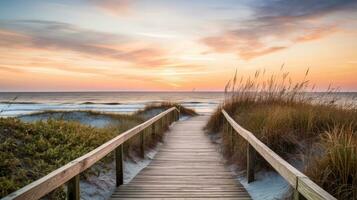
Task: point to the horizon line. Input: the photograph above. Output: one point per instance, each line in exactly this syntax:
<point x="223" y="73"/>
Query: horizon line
<point x="147" y="91"/>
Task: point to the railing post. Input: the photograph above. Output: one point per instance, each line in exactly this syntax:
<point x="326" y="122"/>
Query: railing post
<point x="296" y="194"/>
<point x="224" y="127"/>
<point x="250" y="163"/>
<point x="175" y="115"/>
<point x="163" y="123"/>
<point x="233" y="135"/>
<point x="172" y="115"/>
<point x="231" y="138"/>
<point x="167" y="121"/>
<point x="153" y="131"/>
<point x="119" y="165"/>
<point x="73" y="188"/>
<point x="142" y="143"/>
<point x="169" y="118"/>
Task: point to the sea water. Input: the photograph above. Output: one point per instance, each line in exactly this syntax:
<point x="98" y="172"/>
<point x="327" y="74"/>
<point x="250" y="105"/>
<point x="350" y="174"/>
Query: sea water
<point x="20" y="103"/>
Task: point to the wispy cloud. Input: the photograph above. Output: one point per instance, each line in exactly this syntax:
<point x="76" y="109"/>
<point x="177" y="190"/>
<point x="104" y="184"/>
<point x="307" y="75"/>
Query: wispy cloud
<point x="66" y="37"/>
<point x="115" y="7"/>
<point x="276" y="25"/>
<point x="158" y="35"/>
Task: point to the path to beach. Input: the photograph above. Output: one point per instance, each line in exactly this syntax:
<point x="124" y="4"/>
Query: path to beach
<point x="187" y="166"/>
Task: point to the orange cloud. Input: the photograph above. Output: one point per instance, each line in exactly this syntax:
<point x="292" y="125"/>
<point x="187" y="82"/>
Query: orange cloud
<point x="278" y="22"/>
<point x="48" y="35"/>
<point x="115" y="7"/>
<point x="249" y="54"/>
<point x="316" y="34"/>
<point x="246" y="48"/>
<point x="251" y="45"/>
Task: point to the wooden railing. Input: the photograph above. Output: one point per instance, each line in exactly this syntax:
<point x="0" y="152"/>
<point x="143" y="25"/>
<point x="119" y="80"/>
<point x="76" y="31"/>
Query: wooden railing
<point x="70" y="172"/>
<point x="303" y="186"/>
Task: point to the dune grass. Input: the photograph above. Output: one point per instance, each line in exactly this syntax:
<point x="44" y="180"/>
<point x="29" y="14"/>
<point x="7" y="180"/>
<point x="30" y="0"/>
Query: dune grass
<point x="301" y="130"/>
<point x="336" y="170"/>
<point x="166" y="105"/>
<point x="29" y="151"/>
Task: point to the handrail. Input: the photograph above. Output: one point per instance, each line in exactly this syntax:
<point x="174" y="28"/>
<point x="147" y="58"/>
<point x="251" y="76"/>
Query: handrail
<point x="301" y="183"/>
<point x="71" y="171"/>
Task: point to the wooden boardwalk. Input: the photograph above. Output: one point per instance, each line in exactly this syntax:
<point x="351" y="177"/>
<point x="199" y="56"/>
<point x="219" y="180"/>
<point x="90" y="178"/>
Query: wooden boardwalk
<point x="187" y="166"/>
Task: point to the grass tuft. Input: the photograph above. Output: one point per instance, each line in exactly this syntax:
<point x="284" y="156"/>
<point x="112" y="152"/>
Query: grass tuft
<point x="166" y="105"/>
<point x="336" y="169"/>
<point x="283" y="116"/>
<point x="29" y="151"/>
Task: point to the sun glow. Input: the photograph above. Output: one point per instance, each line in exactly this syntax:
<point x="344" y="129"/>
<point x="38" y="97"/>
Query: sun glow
<point x="173" y="44"/>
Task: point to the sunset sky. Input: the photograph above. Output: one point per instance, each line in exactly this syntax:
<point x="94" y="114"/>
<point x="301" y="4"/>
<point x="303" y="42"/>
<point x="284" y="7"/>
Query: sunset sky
<point x="95" y="45"/>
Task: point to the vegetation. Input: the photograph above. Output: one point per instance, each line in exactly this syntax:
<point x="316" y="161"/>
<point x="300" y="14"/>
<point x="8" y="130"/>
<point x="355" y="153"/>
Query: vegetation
<point x="336" y="170"/>
<point x="294" y="126"/>
<point x="166" y="105"/>
<point x="29" y="151"/>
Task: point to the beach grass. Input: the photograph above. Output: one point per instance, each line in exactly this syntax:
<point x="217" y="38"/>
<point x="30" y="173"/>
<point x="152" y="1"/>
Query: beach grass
<point x="320" y="136"/>
<point x="166" y="105"/>
<point x="29" y="151"/>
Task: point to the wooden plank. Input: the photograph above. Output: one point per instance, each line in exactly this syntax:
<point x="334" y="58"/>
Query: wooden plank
<point x="280" y="165"/>
<point x="142" y="144"/>
<point x="307" y="188"/>
<point x="46" y="184"/>
<point x="250" y="163"/>
<point x="311" y="190"/>
<point x="187" y="166"/>
<point x="73" y="192"/>
<point x="119" y="165"/>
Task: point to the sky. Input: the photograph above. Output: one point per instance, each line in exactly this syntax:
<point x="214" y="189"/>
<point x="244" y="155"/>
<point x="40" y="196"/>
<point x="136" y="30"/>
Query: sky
<point x="169" y="45"/>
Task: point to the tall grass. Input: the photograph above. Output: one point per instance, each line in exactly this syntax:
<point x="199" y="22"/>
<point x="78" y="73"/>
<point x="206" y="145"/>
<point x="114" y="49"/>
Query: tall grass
<point x="166" y="105"/>
<point x="283" y="116"/>
<point x="29" y="151"/>
<point x="336" y="169"/>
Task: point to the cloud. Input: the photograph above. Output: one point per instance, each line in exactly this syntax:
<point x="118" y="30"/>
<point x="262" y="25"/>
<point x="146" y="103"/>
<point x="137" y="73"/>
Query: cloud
<point x="277" y="24"/>
<point x="300" y="8"/>
<point x="50" y="35"/>
<point x="315" y="34"/>
<point x="10" y="69"/>
<point x="116" y="7"/>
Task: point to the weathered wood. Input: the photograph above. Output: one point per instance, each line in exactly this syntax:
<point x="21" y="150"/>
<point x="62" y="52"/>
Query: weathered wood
<point x="46" y="184"/>
<point x="187" y="166"/>
<point x="119" y="165"/>
<point x="233" y="139"/>
<point x="230" y="133"/>
<point x="73" y="192"/>
<point x="171" y="117"/>
<point x="250" y="163"/>
<point x="224" y="131"/>
<point x="297" y="195"/>
<point x="311" y="190"/>
<point x="166" y="121"/>
<point x="142" y="144"/>
<point x="293" y="176"/>
<point x="153" y="131"/>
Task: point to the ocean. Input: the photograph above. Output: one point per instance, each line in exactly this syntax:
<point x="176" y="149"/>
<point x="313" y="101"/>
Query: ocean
<point x="20" y="103"/>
